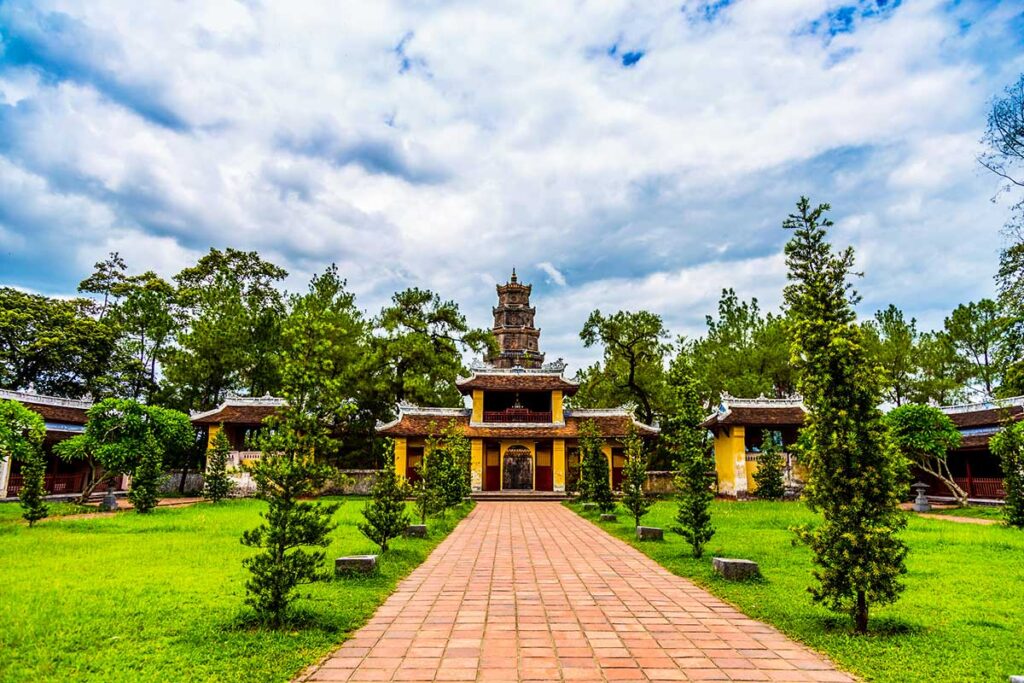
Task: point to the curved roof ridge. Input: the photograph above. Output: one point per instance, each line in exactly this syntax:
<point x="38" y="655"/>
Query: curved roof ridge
<point x="44" y="399"/>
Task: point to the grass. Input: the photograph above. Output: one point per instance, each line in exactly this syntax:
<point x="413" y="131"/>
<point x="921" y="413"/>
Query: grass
<point x="959" y="619"/>
<point x="159" y="597"/>
<point x="11" y="512"/>
<point x="975" y="511"/>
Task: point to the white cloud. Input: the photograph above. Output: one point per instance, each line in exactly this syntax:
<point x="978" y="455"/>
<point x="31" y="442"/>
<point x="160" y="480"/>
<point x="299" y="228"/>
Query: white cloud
<point x="554" y="274"/>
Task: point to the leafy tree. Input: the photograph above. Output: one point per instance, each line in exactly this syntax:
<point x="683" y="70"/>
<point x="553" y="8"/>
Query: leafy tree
<point x="106" y="277"/>
<point x="146" y="327"/>
<point x="125" y="437"/>
<point x="632" y="370"/>
<point x="53" y="345"/>
<point x="285" y="474"/>
<point x="595" y="486"/>
<point x="417" y="348"/>
<point x="925" y="435"/>
<point x="1008" y="445"/>
<point x="976" y="331"/>
<point x="856" y="477"/>
<point x="634" y="477"/>
<point x="893" y="341"/>
<point x="230" y="311"/>
<point x="385" y="513"/>
<point x="1004" y="156"/>
<point x="942" y="374"/>
<point x="21" y="440"/>
<point x="217" y="485"/>
<point x="450" y="464"/>
<point x="744" y="353"/>
<point x="426" y="491"/>
<point x="768" y="477"/>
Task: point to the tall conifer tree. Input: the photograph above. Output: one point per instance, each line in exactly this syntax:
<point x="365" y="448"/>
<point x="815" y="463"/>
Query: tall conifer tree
<point x="856" y="477"/>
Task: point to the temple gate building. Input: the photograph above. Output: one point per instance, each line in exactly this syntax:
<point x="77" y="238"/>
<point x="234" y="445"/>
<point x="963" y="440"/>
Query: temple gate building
<point x="522" y="435"/>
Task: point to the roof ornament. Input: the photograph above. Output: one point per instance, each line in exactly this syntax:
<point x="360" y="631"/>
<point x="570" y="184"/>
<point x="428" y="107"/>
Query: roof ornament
<point x="514" y="279"/>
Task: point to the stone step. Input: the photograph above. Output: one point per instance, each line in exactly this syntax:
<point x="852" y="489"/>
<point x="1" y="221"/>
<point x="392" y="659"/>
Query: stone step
<point x="483" y="496"/>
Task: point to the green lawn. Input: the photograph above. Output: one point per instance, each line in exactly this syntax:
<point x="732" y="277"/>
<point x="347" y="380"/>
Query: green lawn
<point x="159" y="597"/>
<point x="977" y="511"/>
<point x="10" y="512"/>
<point x="961" y="617"/>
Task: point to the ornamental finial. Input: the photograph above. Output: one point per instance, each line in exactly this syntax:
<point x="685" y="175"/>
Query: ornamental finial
<point x="514" y="274"/>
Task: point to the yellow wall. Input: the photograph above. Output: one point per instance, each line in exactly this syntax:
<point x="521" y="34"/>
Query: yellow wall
<point x="211" y="435"/>
<point x="400" y="450"/>
<point x="731" y="460"/>
<point x="558" y="464"/>
<point x="607" y="450"/>
<point x="478" y="405"/>
<point x="751" y="467"/>
<point x="557" y="414"/>
<point x="476" y="464"/>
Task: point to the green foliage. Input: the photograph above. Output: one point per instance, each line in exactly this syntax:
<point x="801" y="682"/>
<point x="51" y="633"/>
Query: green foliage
<point x="231" y="316"/>
<point x="744" y="352"/>
<point x="941" y="373"/>
<point x="416" y="352"/>
<point x="693" y="476"/>
<point x="1008" y="445"/>
<point x="892" y="341"/>
<point x="925" y="435"/>
<point x="217" y="484"/>
<point x="856" y="477"/>
<point x="595" y="483"/>
<point x="634" y="477"/>
<point x="632" y="369"/>
<point x="977" y="331"/>
<point x="290" y="527"/>
<point x="426" y="491"/>
<point x="21" y="440"/>
<point x="768" y="477"/>
<point x="385" y="512"/>
<point x="450" y="455"/>
<point x="51" y="344"/>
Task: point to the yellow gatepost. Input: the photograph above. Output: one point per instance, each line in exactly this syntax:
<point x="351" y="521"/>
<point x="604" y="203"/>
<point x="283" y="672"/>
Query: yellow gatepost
<point x="557" y="413"/>
<point x="558" y="464"/>
<point x="476" y="464"/>
<point x="478" y="405"/>
<point x="211" y="435"/>
<point x="731" y="460"/>
<point x="607" y="450"/>
<point x="400" y="451"/>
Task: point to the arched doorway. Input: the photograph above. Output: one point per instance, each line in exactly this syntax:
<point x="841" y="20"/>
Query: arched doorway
<point x="517" y="469"/>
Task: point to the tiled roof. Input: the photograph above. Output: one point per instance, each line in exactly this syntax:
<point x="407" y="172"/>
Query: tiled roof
<point x="240" y="410"/>
<point x="51" y="408"/>
<point x="516" y="380"/>
<point x="984" y="414"/>
<point x="423" y="421"/>
<point x="775" y="412"/>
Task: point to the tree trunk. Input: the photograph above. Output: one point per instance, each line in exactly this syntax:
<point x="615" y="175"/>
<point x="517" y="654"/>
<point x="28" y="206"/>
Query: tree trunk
<point x="861" y="616"/>
<point x="181" y="482"/>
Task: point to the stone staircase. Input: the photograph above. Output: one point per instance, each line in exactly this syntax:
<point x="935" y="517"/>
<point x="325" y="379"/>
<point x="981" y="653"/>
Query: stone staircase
<point x="506" y="496"/>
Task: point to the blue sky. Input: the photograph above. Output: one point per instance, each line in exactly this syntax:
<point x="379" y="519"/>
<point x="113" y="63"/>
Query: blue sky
<point x="621" y="155"/>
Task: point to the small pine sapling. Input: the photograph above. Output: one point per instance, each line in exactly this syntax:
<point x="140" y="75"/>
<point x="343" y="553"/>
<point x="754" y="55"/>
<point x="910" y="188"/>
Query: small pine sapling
<point x="693" y="485"/>
<point x="768" y="477"/>
<point x="634" y="477"/>
<point x="385" y="513"/>
<point x="1008" y="445"/>
<point x="218" y="484"/>
<point x="596" y="487"/>
<point x="21" y="439"/>
<point x="144" y="493"/>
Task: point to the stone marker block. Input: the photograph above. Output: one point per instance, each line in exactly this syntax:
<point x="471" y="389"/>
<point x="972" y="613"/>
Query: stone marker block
<point x="735" y="570"/>
<point x="1016" y="679"/>
<point x="590" y="506"/>
<point x="608" y="518"/>
<point x="355" y="564"/>
<point x="416" y="531"/>
<point x="649" y="533"/>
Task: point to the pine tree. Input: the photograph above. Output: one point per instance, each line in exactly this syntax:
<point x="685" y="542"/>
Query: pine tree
<point x="768" y="477"/>
<point x="1008" y="444"/>
<point x="217" y="484"/>
<point x="686" y="442"/>
<point x="385" y="511"/>
<point x="144" y="493"/>
<point x="426" y="491"/>
<point x="21" y="439"/>
<point x="291" y="526"/>
<point x="595" y="486"/>
<point x="856" y="476"/>
<point x="634" y="477"/>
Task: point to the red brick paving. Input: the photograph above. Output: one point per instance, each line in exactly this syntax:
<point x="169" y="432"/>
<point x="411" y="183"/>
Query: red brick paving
<point x="532" y="592"/>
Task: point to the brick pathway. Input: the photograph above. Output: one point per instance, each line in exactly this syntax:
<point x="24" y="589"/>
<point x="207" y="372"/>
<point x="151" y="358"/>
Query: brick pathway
<point x="532" y="592"/>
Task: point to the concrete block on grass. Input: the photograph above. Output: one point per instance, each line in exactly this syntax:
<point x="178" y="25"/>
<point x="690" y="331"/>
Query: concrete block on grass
<point x="355" y="564"/>
<point x="589" y="507"/>
<point x="608" y="517"/>
<point x="649" y="533"/>
<point x="735" y="570"/>
<point x="416" y="531"/>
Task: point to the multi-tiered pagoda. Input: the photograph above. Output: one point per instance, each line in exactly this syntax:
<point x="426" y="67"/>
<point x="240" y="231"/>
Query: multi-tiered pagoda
<point x="522" y="435"/>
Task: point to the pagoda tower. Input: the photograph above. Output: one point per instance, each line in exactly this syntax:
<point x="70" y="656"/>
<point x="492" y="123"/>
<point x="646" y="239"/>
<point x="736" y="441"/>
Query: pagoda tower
<point x="513" y="326"/>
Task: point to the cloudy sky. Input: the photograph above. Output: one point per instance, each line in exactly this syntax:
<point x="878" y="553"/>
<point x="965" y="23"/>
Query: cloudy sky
<point x="621" y="155"/>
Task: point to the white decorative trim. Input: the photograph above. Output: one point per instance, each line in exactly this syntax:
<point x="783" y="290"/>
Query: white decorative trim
<point x="531" y="425"/>
<point x="43" y="400"/>
<point x="233" y="401"/>
<point x="983" y="405"/>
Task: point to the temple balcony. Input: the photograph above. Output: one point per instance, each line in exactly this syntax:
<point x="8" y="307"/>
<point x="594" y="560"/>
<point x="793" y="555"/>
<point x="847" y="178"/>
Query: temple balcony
<point x="518" y="416"/>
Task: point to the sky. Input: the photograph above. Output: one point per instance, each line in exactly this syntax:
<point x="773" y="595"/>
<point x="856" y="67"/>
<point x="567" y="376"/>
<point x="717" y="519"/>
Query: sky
<point x="620" y="155"/>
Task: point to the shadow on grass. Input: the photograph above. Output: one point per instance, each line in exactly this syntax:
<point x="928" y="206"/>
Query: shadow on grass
<point x="878" y="627"/>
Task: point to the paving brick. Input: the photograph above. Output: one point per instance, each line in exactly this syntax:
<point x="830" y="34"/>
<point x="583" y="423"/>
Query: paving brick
<point x="532" y="592"/>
